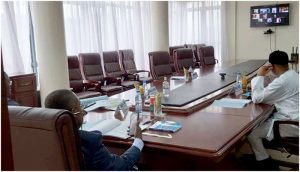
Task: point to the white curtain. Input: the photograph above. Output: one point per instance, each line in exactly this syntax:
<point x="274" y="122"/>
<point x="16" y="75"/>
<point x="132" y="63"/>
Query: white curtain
<point x="15" y="37"/>
<point x="107" y="26"/>
<point x="198" y="22"/>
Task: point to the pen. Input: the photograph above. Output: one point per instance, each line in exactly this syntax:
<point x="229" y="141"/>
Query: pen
<point x="147" y="122"/>
<point x="89" y="105"/>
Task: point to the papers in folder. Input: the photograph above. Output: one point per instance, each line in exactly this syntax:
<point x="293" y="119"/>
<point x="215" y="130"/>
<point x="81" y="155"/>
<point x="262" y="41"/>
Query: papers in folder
<point x="231" y="103"/>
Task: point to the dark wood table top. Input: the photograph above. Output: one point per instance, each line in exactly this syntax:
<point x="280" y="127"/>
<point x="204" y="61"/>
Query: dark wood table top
<point x="207" y="132"/>
<point x="210" y="83"/>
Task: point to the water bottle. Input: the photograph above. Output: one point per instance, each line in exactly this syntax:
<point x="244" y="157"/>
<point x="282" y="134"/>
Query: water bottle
<point x="145" y="89"/>
<point x="166" y="87"/>
<point x="238" y="82"/>
<point x="138" y="102"/>
<point x="190" y="71"/>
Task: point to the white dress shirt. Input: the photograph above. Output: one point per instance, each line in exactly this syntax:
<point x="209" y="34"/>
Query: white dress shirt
<point x="283" y="92"/>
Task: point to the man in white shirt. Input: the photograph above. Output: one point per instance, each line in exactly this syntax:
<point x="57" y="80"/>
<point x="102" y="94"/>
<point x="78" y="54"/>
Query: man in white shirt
<point x="283" y="93"/>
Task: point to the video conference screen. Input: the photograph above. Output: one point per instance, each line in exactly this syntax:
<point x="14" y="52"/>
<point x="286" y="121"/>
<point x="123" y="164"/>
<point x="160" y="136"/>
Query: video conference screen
<point x="269" y="15"/>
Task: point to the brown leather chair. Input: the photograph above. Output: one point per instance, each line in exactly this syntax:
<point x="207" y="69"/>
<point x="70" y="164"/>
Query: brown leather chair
<point x="112" y="68"/>
<point x="129" y="67"/>
<point x="171" y="51"/>
<point x="82" y="88"/>
<point x="91" y="68"/>
<point x="44" y="139"/>
<point x="183" y="58"/>
<point x="208" y="55"/>
<point x="198" y="56"/>
<point x="160" y="64"/>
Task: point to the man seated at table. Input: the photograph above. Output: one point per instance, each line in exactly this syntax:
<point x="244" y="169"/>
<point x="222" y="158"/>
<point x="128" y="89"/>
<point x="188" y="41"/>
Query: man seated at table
<point x="96" y="155"/>
<point x="283" y="92"/>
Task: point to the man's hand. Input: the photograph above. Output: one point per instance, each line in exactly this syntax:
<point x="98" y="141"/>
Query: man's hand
<point x="262" y="71"/>
<point x="138" y="132"/>
<point x="118" y="115"/>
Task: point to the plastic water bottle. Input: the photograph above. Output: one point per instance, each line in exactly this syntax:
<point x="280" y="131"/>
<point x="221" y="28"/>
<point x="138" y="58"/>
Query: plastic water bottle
<point x="238" y="82"/>
<point x="145" y="89"/>
<point x="138" y="102"/>
<point x="190" y="73"/>
<point x="166" y="87"/>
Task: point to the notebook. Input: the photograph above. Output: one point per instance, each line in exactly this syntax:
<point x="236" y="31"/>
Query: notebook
<point x="169" y="126"/>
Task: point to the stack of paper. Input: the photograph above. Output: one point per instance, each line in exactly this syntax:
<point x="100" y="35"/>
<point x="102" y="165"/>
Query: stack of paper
<point x="231" y="103"/>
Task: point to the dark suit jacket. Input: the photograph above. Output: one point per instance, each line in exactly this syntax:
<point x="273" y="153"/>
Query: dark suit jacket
<point x="98" y="157"/>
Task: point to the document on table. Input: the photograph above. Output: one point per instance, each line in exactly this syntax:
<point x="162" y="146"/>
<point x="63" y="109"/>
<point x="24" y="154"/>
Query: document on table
<point x="111" y="127"/>
<point x="231" y="103"/>
<point x="93" y="103"/>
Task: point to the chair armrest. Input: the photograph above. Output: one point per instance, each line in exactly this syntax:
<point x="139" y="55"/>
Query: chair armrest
<point x="110" y="80"/>
<point x="133" y="76"/>
<point x="92" y="84"/>
<point x="139" y="71"/>
<point x="277" y="136"/>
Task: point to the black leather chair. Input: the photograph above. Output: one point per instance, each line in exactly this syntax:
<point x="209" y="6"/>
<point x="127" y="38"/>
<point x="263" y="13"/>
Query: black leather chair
<point x="112" y="68"/>
<point x="183" y="58"/>
<point x="284" y="142"/>
<point x="91" y="68"/>
<point x="160" y="64"/>
<point x="198" y="56"/>
<point x="208" y="55"/>
<point x="129" y="67"/>
<point x="82" y="88"/>
<point x="171" y="52"/>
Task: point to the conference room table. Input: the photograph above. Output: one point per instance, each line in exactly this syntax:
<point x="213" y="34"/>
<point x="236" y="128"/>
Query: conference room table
<point x="208" y="134"/>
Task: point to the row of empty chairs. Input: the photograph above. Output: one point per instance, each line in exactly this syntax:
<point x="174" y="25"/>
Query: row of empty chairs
<point x="200" y="53"/>
<point x="88" y="79"/>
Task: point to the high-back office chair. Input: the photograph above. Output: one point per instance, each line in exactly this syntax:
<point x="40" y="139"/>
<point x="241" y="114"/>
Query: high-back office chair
<point x="44" y="139"/>
<point x="91" y="68"/>
<point x="208" y="55"/>
<point x="192" y="46"/>
<point x="82" y="88"/>
<point x="183" y="58"/>
<point x="171" y="51"/>
<point x="160" y="64"/>
<point x="285" y="142"/>
<point x="128" y="65"/>
<point x="112" y="69"/>
<point x="198" y="56"/>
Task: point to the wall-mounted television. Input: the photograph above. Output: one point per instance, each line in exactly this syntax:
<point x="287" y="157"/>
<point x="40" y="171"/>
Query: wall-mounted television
<point x="269" y="15"/>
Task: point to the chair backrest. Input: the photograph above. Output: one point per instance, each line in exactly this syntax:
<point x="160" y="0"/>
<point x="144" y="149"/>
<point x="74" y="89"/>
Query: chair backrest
<point x="127" y="61"/>
<point x="91" y="67"/>
<point x="111" y="64"/>
<point x="171" y="51"/>
<point x="198" y="55"/>
<point x="44" y="139"/>
<point x="207" y="52"/>
<point x="183" y="58"/>
<point x="75" y="76"/>
<point x="159" y="64"/>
